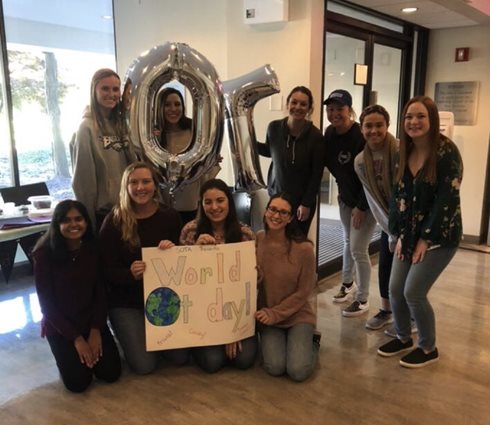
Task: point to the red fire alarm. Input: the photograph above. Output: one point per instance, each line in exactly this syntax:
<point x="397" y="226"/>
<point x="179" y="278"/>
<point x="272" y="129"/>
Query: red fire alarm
<point x="462" y="54"/>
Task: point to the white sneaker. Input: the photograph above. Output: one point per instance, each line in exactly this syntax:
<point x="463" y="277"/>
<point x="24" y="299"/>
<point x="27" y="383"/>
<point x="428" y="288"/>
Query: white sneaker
<point x="356" y="309"/>
<point x="343" y="293"/>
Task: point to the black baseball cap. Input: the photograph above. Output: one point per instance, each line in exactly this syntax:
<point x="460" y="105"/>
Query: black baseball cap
<point x="339" y="96"/>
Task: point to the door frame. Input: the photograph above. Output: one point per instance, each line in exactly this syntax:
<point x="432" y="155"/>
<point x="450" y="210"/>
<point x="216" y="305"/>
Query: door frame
<point x="412" y="39"/>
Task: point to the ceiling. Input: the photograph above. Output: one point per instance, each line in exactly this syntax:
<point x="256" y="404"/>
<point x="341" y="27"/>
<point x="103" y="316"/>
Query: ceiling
<point x="434" y="14"/>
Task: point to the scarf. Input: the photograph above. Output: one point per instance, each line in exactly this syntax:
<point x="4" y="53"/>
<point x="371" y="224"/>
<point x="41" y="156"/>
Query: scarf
<point x="390" y="165"/>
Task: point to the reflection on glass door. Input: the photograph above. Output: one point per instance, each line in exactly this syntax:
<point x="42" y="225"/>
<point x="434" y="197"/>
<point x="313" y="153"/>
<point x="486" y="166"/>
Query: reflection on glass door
<point x="387" y="62"/>
<point x="341" y="55"/>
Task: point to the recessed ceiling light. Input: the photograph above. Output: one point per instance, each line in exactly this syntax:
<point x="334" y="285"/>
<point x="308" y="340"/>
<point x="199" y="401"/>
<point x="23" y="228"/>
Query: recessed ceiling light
<point x="410" y="9"/>
<point x="106" y="17"/>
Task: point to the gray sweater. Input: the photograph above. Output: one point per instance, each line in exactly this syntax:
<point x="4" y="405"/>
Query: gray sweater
<point x="98" y="165"/>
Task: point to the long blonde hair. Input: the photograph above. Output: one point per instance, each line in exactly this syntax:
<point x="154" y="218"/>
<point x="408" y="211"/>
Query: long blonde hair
<point x="95" y="112"/>
<point x="124" y="214"/>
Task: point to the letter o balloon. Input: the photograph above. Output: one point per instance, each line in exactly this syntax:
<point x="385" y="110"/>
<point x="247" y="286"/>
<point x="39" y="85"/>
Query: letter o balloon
<point x="144" y="80"/>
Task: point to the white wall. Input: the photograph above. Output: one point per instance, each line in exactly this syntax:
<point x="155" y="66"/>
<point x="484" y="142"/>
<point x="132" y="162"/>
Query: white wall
<point x="142" y="24"/>
<point x="471" y="140"/>
<point x="216" y="29"/>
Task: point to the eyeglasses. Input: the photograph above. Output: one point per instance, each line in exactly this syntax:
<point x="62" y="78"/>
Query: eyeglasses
<point x="282" y="213"/>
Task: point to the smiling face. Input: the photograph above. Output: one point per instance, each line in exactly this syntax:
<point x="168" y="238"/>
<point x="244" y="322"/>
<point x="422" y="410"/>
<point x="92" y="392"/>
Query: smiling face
<point x="141" y="187"/>
<point x="73" y="226"/>
<point x="374" y="129"/>
<point x="278" y="214"/>
<point x="173" y="110"/>
<point x="108" y="93"/>
<point x="339" y="115"/>
<point x="298" y="106"/>
<point x="216" y="206"/>
<point x="416" y="122"/>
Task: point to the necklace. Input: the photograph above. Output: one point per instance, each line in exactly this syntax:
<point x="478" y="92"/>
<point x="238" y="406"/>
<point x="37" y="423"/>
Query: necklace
<point x="74" y="254"/>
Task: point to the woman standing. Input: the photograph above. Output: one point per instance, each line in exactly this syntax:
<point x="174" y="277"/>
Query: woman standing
<point x="344" y="141"/>
<point x="287" y="264"/>
<point x="175" y="135"/>
<point x="376" y="167"/>
<point x="101" y="149"/>
<point x="425" y="215"/>
<point x="139" y="220"/>
<point x="295" y="146"/>
<point x="72" y="299"/>
<point x="217" y="223"/>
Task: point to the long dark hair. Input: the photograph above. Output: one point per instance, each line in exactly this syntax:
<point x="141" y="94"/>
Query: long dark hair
<point x="304" y="90"/>
<point x="292" y="230"/>
<point x="233" y="232"/>
<point x="429" y="168"/>
<point x="53" y="237"/>
<point x="184" y="123"/>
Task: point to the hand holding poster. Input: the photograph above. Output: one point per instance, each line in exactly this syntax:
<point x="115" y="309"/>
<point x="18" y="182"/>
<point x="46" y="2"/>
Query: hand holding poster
<point x="199" y="295"/>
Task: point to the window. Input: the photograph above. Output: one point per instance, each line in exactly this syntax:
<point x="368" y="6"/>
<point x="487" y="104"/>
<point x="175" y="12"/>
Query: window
<point x="53" y="48"/>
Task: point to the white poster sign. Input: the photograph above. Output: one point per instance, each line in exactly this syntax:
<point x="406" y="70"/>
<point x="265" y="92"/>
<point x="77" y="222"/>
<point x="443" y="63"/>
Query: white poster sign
<point x="199" y="295"/>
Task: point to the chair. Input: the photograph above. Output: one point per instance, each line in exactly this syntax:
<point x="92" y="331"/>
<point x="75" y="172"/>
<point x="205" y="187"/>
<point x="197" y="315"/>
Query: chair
<point x="242" y="205"/>
<point x="19" y="194"/>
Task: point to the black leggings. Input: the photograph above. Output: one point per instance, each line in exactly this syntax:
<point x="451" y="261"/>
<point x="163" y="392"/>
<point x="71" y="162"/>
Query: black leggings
<point x="75" y="375"/>
<point x="384" y="266"/>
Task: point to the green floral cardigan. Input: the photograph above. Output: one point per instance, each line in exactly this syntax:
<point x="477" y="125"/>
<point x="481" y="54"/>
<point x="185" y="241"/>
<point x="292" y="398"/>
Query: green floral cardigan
<point x="432" y="212"/>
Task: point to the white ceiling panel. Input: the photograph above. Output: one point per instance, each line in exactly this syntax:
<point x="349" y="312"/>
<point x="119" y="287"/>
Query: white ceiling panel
<point x="436" y="13"/>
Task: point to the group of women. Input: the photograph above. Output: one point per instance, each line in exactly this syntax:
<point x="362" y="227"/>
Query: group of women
<point x="85" y="272"/>
<point x="411" y="189"/>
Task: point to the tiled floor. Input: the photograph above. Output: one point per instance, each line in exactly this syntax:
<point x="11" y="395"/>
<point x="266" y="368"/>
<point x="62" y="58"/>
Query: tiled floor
<point x="352" y="385"/>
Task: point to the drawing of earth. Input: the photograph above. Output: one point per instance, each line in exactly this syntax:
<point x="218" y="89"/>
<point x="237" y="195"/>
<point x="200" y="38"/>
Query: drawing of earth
<point x="162" y="307"/>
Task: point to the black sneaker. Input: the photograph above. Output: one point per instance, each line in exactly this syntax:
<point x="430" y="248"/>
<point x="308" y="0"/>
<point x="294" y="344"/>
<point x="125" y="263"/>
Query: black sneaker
<point x="317" y="336"/>
<point x="344" y="292"/>
<point x="395" y="347"/>
<point x="417" y="358"/>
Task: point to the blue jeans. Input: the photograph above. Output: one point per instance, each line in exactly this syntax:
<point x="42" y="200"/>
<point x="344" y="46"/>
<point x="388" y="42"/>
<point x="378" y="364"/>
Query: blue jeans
<point x="129" y="327"/>
<point x="356" y="244"/>
<point x="409" y="285"/>
<point x="289" y="350"/>
<point x="213" y="358"/>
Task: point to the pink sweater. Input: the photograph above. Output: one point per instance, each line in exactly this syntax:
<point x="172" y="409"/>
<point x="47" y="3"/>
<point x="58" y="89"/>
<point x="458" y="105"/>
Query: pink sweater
<point x="287" y="281"/>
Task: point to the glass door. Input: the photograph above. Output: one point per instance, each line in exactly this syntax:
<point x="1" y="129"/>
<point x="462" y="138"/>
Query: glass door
<point x="385" y="85"/>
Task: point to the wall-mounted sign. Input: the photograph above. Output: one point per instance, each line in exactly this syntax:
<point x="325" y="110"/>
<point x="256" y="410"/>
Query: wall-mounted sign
<point x="462" y="54"/>
<point x="460" y="98"/>
<point x="360" y="74"/>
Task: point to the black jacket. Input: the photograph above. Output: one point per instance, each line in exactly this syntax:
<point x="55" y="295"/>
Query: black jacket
<point x="297" y="163"/>
<point x="340" y="152"/>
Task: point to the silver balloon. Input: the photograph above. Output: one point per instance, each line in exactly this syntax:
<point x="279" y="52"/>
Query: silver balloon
<point x="241" y="94"/>
<point x="145" y="78"/>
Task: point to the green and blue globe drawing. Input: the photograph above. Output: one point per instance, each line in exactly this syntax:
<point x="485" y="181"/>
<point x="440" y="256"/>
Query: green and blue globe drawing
<point x="162" y="307"/>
